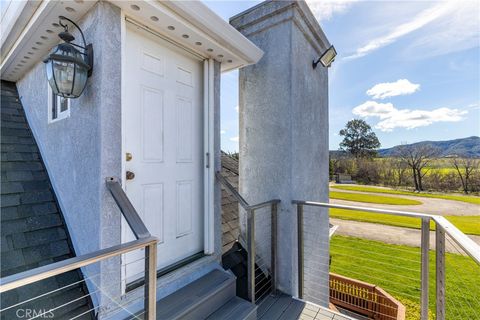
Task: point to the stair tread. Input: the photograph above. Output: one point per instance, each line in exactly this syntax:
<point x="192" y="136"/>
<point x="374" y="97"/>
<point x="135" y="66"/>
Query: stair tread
<point x="234" y="309"/>
<point x="192" y="295"/>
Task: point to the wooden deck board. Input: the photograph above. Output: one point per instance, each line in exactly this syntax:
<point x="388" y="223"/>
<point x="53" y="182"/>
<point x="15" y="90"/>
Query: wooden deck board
<point x="284" y="307"/>
<point x="277" y="308"/>
<point x="293" y="311"/>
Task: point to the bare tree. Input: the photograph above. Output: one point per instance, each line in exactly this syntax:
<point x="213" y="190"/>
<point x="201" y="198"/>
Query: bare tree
<point x="400" y="168"/>
<point x="417" y="157"/>
<point x="465" y="167"/>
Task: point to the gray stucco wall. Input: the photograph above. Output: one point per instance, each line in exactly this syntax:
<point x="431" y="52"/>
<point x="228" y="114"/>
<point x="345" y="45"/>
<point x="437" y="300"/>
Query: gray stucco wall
<point x="80" y="151"/>
<point x="284" y="136"/>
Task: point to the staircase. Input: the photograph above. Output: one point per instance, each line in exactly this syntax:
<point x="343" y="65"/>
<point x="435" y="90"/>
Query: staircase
<point x="210" y="297"/>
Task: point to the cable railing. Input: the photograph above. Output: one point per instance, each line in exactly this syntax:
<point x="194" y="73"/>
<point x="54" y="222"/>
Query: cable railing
<point x="261" y="255"/>
<point x="445" y="268"/>
<point x="36" y="288"/>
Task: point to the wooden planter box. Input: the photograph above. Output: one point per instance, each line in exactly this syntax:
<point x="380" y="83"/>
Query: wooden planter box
<point x="364" y="298"/>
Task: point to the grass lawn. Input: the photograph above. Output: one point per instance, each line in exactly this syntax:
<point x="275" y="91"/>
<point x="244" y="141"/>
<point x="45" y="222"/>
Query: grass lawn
<point x="468" y="199"/>
<point x="466" y="224"/>
<point x="396" y="269"/>
<point x="358" y="197"/>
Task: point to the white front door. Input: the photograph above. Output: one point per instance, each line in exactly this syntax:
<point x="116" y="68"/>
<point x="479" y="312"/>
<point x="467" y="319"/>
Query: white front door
<point x="163" y="133"/>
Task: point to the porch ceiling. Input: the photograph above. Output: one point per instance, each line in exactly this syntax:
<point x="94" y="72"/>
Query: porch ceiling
<point x="190" y="24"/>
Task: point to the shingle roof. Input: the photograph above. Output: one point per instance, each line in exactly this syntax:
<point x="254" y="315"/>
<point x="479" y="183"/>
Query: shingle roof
<point x="230" y="225"/>
<point x="33" y="232"/>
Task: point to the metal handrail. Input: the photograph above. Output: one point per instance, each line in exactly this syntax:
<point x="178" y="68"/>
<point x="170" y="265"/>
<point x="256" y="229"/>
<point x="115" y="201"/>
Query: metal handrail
<point x="239" y="198"/>
<point x="466" y="243"/>
<point x="250" y="209"/>
<point x="126" y="207"/>
<point x="143" y="240"/>
<point x="367" y="209"/>
<point x="443" y="226"/>
<point x="17" y="280"/>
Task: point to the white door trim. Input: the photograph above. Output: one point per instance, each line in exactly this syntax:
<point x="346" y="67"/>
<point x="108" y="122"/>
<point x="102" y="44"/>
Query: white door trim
<point x="209" y="174"/>
<point x="208" y="96"/>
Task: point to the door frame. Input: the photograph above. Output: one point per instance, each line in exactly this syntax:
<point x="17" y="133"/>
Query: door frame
<point x="208" y="131"/>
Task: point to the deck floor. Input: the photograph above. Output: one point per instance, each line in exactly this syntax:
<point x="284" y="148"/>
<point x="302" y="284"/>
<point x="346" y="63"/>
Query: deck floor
<point x="283" y="307"/>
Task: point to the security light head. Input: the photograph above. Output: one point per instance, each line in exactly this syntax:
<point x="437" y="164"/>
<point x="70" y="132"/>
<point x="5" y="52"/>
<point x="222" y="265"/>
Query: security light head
<point x="327" y="58"/>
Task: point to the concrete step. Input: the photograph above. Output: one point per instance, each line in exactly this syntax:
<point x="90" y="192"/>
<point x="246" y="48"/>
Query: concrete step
<point x="235" y="309"/>
<point x="199" y="299"/>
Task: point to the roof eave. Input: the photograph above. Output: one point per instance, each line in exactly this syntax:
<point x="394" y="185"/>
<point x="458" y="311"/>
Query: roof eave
<point x="220" y="30"/>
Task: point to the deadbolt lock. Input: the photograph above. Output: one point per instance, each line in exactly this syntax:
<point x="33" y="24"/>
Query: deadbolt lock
<point x="130" y="175"/>
<point x="128" y="156"/>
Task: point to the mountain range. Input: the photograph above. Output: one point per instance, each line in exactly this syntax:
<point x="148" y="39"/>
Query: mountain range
<point x="465" y="147"/>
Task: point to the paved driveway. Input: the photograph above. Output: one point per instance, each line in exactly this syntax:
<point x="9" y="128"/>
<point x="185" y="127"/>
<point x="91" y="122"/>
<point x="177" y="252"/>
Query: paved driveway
<point x="388" y="234"/>
<point x="429" y="205"/>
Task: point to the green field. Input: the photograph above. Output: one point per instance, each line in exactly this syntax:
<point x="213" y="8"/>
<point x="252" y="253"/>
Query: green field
<point x="358" y="197"/>
<point x="468" y="199"/>
<point x="466" y="224"/>
<point x="396" y="269"/>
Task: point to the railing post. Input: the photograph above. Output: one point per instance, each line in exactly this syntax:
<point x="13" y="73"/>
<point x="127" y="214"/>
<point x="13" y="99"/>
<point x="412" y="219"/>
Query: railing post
<point x="251" y="254"/>
<point x="440" y="272"/>
<point x="151" y="281"/>
<point x="273" y="250"/>
<point x="425" y="248"/>
<point x="300" y="249"/>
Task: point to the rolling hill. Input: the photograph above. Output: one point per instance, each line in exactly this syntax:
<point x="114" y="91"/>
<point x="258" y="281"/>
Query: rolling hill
<point x="465" y="147"/>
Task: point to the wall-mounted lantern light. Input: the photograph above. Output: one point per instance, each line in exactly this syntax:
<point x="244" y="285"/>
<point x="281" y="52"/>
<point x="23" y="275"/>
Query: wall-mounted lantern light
<point x="67" y="67"/>
<point x="327" y="58"/>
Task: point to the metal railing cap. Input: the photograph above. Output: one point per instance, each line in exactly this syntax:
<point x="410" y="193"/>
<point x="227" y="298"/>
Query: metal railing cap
<point x="30" y="276"/>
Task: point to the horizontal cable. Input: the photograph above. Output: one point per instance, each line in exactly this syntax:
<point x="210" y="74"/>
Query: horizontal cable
<point x="40" y="296"/>
<point x="376" y="253"/>
<point x="393" y="247"/>
<point x="395" y="266"/>
<point x="267" y="292"/>
<point x="134" y="261"/>
<point x="380" y="279"/>
<point x="137" y="316"/>
<point x="265" y="286"/>
<point x="120" y="306"/>
<point x="99" y="289"/>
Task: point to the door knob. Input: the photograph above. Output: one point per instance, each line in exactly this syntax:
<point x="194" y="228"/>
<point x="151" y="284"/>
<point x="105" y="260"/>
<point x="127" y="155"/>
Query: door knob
<point x="128" y="156"/>
<point x="130" y="175"/>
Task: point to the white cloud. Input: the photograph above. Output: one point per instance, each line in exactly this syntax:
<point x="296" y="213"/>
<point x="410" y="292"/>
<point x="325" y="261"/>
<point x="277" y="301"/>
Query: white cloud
<point x="425" y="17"/>
<point x="374" y="109"/>
<point x="223" y="132"/>
<point x="392" y="117"/>
<point x="325" y="9"/>
<point x="456" y="31"/>
<point x="234" y="139"/>
<point x="237" y="108"/>
<point x="392" y="89"/>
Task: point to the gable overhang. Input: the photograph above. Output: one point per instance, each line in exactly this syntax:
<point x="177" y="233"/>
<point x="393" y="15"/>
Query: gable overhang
<point x="31" y="31"/>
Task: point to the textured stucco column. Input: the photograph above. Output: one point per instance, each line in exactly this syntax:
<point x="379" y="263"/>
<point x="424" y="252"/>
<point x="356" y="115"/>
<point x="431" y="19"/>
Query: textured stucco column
<point x="284" y="135"/>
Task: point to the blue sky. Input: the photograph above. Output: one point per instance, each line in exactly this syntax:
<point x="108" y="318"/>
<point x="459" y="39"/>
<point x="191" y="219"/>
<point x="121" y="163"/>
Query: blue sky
<point x="411" y="69"/>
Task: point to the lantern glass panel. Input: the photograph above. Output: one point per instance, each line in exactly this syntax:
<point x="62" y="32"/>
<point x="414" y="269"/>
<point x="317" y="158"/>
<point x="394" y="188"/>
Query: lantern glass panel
<point x="81" y="75"/>
<point x="63" y="73"/>
<point x="67" y="72"/>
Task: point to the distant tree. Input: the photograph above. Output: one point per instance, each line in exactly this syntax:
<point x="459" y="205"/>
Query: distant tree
<point x="359" y="139"/>
<point x="465" y="169"/>
<point x="417" y="157"/>
<point x="400" y="168"/>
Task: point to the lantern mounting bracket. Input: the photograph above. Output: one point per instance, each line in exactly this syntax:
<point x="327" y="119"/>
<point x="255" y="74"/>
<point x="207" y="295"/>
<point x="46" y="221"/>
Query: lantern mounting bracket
<point x="68" y="37"/>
